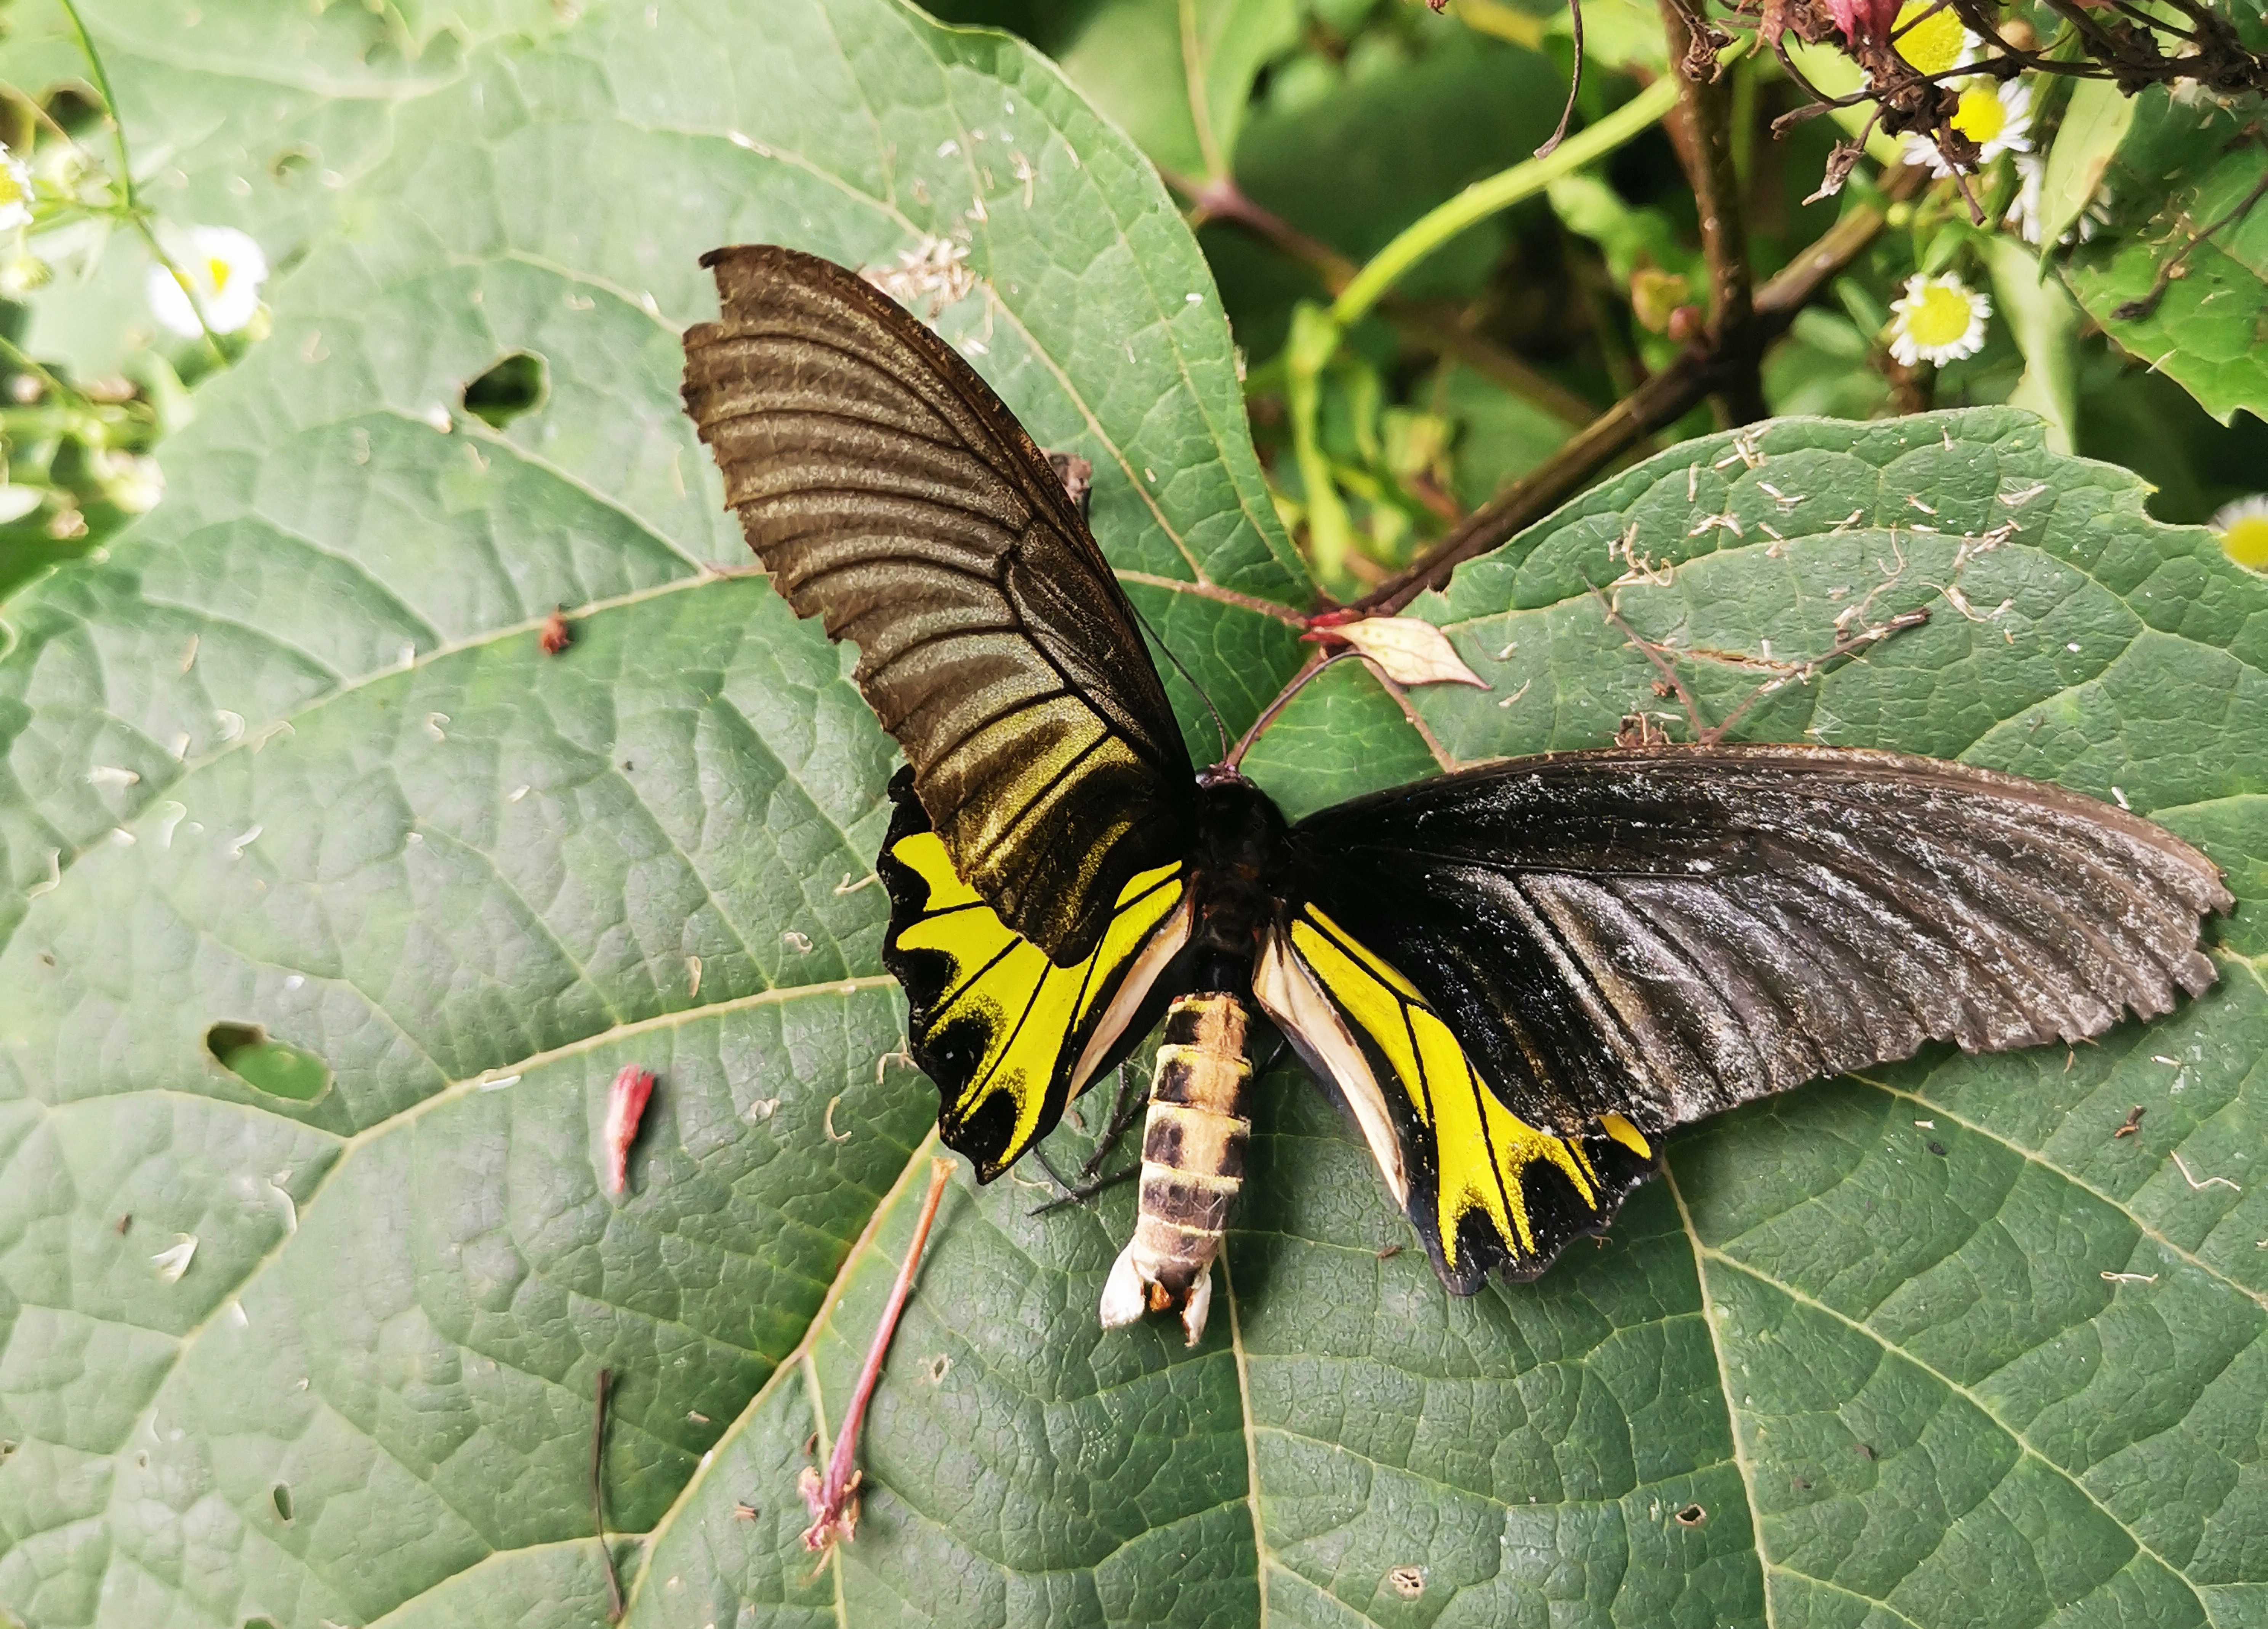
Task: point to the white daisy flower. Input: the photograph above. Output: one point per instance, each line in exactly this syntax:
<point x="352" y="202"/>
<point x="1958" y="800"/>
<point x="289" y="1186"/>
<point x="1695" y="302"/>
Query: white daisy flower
<point x="1940" y="318"/>
<point x="223" y="267"/>
<point x="15" y="191"/>
<point x="21" y="273"/>
<point x="17" y="500"/>
<point x="2024" y="213"/>
<point x="1998" y="119"/>
<point x="2242" y="529"/>
<point x="133" y="483"/>
<point x="2023" y="217"/>
<point x="1932" y="41"/>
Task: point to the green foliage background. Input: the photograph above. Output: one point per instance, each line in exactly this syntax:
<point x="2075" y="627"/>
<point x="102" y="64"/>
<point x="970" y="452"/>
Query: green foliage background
<point x="289" y="756"/>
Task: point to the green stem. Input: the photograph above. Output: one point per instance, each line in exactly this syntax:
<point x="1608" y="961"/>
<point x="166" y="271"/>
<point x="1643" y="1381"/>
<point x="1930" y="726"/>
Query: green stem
<point x="1317" y="333"/>
<point x="133" y="209"/>
<point x="23" y="362"/>
<point x="1501" y="191"/>
<point x="109" y="102"/>
<point x="1330" y="532"/>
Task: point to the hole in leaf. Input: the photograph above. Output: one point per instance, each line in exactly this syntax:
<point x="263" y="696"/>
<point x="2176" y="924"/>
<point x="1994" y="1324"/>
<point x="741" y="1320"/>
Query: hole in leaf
<point x="282" y="1494"/>
<point x="515" y="385"/>
<point x="259" y="1623"/>
<point x="270" y="1066"/>
<point x="1692" y="1515"/>
<point x="291" y="161"/>
<point x="74" y="111"/>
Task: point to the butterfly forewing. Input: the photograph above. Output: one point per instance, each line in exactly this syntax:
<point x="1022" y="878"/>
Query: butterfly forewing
<point x="1008" y="1036"/>
<point x="1663" y="933"/>
<point x="888" y="492"/>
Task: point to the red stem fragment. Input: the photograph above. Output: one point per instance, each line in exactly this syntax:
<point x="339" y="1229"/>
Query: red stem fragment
<point x="626" y="1101"/>
<point x="833" y="1500"/>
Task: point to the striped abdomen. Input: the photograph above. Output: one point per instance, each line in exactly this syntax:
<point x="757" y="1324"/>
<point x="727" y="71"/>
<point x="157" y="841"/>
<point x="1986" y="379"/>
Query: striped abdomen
<point x="1192" y="1165"/>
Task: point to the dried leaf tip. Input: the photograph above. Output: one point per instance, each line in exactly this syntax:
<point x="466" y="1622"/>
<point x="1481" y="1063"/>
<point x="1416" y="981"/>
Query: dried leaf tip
<point x="1407" y="649"/>
<point x="557" y="634"/>
<point x="626" y="1101"/>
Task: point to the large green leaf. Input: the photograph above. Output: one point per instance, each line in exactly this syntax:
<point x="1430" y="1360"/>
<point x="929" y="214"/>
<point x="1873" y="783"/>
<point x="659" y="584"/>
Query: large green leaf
<point x="254" y="114"/>
<point x="2180" y="276"/>
<point x="1178" y="75"/>
<point x="291" y="759"/>
<point x="473" y="882"/>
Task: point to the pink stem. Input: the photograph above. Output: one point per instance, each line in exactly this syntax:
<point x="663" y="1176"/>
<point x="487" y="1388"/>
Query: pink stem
<point x="830" y="1500"/>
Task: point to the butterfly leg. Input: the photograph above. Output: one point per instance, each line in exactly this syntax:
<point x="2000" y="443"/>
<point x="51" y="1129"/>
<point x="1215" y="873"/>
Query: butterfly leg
<point x="1079" y="1194"/>
<point x="1129" y="1101"/>
<point x="1125" y="1105"/>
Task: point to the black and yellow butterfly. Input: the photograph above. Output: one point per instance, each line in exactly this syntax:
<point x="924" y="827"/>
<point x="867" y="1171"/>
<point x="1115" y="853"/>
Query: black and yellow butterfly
<point x="1516" y="979"/>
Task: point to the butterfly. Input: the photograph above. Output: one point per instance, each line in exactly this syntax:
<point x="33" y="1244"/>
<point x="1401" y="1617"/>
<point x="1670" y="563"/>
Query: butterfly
<point x="1516" y="979"/>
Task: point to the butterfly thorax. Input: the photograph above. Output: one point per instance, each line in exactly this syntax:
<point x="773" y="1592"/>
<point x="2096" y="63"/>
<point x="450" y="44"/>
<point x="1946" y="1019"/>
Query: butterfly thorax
<point x="1235" y="879"/>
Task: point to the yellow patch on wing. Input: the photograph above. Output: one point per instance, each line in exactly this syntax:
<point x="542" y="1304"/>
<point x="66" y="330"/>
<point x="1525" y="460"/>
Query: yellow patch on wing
<point x="1480" y="1148"/>
<point x="1346" y="943"/>
<point x="1029" y="1010"/>
<point x="1628" y="1136"/>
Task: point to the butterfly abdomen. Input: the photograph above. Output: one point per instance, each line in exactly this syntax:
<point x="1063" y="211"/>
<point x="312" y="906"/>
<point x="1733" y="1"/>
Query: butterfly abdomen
<point x="1192" y="1165"/>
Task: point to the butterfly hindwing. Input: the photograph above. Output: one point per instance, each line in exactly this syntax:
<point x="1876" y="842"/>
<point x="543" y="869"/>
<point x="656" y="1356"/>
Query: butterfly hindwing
<point x="1488" y="1187"/>
<point x="1009" y="1035"/>
<point x="887" y="491"/>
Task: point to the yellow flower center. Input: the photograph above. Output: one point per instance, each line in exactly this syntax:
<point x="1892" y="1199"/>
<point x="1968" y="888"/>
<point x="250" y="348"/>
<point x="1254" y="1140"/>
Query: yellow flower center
<point x="1933" y="45"/>
<point x="11" y="190"/>
<point x="218" y="270"/>
<point x="1981" y="116"/>
<point x="2247" y="542"/>
<point x="1939" y="317"/>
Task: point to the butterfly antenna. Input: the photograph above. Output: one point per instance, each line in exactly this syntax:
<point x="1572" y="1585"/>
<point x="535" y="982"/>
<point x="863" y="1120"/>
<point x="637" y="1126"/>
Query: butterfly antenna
<point x="1219" y="725"/>
<point x="1268" y="715"/>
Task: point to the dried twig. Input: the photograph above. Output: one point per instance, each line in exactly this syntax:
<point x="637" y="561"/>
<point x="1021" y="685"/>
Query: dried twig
<point x="1784" y="673"/>
<point x="1701" y="131"/>
<point x="2176" y="264"/>
<point x="614" y="1607"/>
